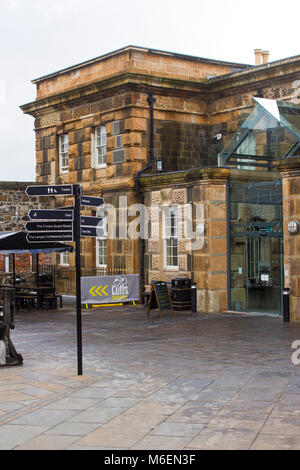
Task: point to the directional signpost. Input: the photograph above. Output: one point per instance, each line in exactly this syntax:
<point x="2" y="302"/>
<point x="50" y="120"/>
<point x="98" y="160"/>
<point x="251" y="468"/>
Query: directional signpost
<point x="86" y="221"/>
<point x="42" y="226"/>
<point x="91" y="226"/>
<point x="91" y="201"/>
<point x="52" y="190"/>
<point x="45" y="237"/>
<point x="45" y="214"/>
<point x="65" y="225"/>
<point x="92" y="232"/>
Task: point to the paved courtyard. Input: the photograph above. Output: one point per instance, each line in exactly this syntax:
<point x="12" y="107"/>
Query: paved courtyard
<point x="188" y="381"/>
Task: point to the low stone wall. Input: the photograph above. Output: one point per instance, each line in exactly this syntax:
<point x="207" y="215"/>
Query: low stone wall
<point x="14" y="207"/>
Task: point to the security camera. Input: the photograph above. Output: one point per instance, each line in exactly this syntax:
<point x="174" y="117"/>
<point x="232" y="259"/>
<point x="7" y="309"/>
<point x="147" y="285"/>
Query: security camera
<point x="218" y="136"/>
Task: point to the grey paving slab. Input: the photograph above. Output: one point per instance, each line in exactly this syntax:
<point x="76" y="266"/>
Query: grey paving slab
<point x="293" y="388"/>
<point x="72" y="403"/>
<point x="161" y="442"/>
<point x="188" y="381"/>
<point x="212" y="396"/>
<point x="73" y="428"/>
<point x="145" y="407"/>
<point x="98" y="415"/>
<point x="48" y="442"/>
<point x="275" y="442"/>
<point x="118" y="382"/>
<point x="284" y="425"/>
<point x="194" y="412"/>
<point x="44" y="417"/>
<point x="289" y="399"/>
<point x="11" y="406"/>
<point x="143" y="388"/>
<point x="12" y="435"/>
<point x="177" y="429"/>
<point x="280" y="410"/>
<point x="237" y="420"/>
<point x="120" y="402"/>
<point x="259" y="394"/>
<point x="251" y="407"/>
<point x="76" y="447"/>
<point x="98" y="393"/>
<point x="180" y="389"/>
<point x="223" y="439"/>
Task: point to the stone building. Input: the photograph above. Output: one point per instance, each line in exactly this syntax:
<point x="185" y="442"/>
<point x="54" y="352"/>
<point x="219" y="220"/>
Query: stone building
<point x="145" y="126"/>
<point x="14" y="207"/>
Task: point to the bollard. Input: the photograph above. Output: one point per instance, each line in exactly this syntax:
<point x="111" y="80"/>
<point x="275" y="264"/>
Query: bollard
<point x="6" y="324"/>
<point x="194" y="297"/>
<point x="286" y="304"/>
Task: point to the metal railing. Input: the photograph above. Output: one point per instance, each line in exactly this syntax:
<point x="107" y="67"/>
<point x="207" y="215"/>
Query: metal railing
<point x="63" y="277"/>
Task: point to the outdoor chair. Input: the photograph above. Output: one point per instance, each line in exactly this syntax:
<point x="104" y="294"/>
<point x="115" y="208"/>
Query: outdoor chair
<point x="25" y="301"/>
<point x="48" y="299"/>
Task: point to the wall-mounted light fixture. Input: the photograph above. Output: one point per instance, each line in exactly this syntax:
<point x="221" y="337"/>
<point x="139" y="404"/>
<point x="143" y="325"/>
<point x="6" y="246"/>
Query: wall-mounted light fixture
<point x="293" y="227"/>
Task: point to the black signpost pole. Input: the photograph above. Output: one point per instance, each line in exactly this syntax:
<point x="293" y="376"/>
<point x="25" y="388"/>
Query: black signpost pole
<point x="57" y="225"/>
<point x="77" y="194"/>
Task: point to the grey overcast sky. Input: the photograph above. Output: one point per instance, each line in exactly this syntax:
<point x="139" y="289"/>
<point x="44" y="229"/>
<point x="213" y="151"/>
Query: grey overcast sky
<point x="38" y="37"/>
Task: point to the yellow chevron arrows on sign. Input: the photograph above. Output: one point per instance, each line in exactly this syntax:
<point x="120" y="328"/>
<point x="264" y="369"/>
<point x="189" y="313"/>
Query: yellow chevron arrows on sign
<point x="98" y="291"/>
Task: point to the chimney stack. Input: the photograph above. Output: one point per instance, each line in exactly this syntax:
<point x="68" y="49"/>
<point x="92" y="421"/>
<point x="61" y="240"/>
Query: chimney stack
<point x="265" y="56"/>
<point x="258" y="56"/>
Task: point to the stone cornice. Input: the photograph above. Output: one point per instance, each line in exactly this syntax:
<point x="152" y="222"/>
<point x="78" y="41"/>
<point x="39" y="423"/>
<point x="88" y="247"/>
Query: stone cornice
<point x="248" y="175"/>
<point x="249" y="78"/>
<point x="112" y="184"/>
<point x="289" y="166"/>
<point x="88" y="92"/>
<point x="275" y="70"/>
<point x="218" y="175"/>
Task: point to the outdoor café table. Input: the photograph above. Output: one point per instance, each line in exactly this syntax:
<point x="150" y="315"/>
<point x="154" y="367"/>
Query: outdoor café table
<point x="37" y="291"/>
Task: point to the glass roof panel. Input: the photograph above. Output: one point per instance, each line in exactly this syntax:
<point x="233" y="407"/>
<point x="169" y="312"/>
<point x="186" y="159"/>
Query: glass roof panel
<point x="271" y="132"/>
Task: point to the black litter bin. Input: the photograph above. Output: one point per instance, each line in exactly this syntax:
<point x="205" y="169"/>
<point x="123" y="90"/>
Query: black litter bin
<point x="181" y="294"/>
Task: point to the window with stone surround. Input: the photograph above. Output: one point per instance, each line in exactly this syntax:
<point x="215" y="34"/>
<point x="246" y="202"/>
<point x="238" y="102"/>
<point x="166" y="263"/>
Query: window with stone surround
<point x="100" y="146"/>
<point x="170" y="235"/>
<point x="65" y="258"/>
<point x="101" y="252"/>
<point x="63" y="153"/>
<point x="119" y="152"/>
<point x="101" y="248"/>
<point x="6" y="264"/>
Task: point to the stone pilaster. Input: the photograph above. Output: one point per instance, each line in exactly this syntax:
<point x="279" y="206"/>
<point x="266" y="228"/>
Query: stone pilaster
<point x="290" y="173"/>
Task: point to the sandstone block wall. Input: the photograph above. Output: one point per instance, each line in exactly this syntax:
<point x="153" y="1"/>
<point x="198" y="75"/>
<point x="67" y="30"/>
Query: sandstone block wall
<point x="14" y="207"/>
<point x="290" y="171"/>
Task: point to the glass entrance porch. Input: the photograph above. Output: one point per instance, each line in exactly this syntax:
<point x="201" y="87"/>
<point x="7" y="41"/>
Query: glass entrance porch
<point x="271" y="132"/>
<point x="256" y="247"/>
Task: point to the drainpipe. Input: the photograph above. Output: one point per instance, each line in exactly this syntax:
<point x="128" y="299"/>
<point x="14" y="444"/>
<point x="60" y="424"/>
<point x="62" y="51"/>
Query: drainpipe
<point x="228" y="217"/>
<point x="151" y="100"/>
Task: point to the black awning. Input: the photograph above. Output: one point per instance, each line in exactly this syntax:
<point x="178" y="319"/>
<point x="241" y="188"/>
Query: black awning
<point x="16" y="242"/>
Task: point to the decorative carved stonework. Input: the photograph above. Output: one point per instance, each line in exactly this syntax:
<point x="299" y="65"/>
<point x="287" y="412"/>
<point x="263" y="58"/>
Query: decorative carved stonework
<point x="166" y="195"/>
<point x="183" y="246"/>
<point x="155" y="262"/>
<point x="179" y="196"/>
<point x="153" y="246"/>
<point x="156" y="197"/>
<point x="49" y="119"/>
<point x="175" y="274"/>
<point x="182" y="262"/>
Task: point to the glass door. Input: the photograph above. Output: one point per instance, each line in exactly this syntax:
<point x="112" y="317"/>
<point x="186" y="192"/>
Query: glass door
<point x="263" y="274"/>
<point x="256" y="247"/>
